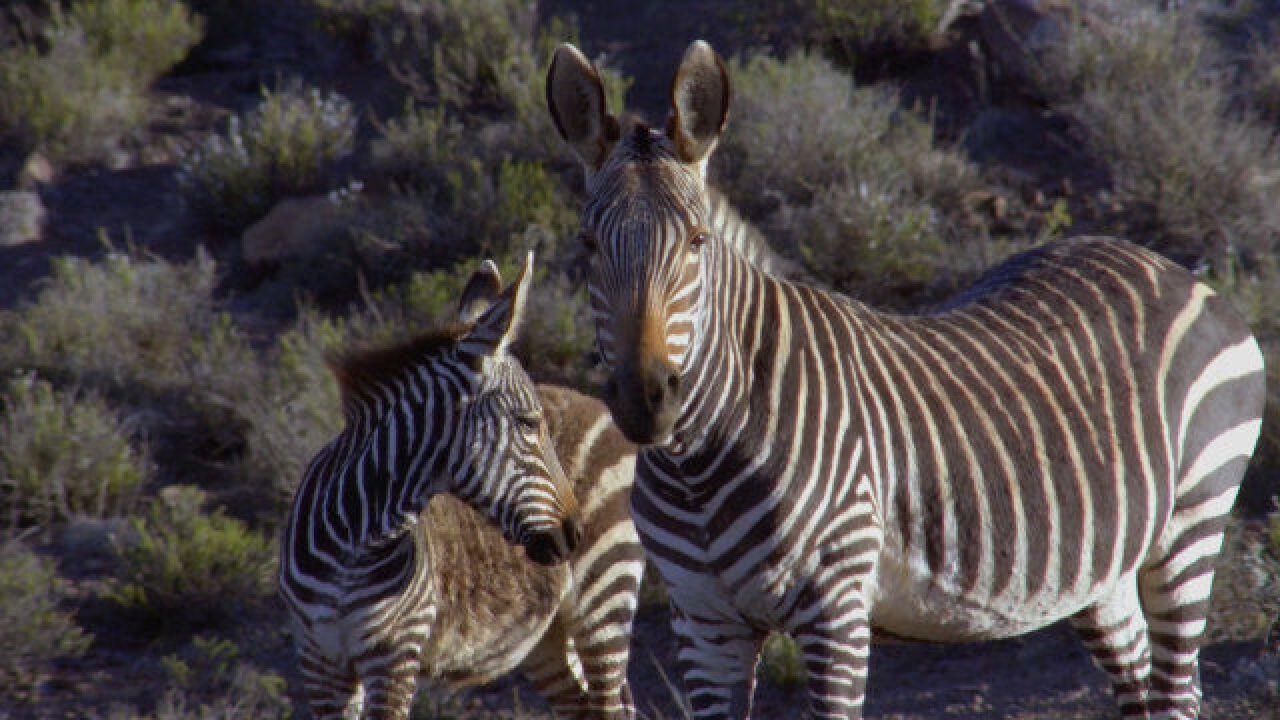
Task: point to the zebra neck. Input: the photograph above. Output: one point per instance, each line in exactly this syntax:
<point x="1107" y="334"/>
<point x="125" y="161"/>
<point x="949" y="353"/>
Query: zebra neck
<point x="722" y="359"/>
<point x="390" y="475"/>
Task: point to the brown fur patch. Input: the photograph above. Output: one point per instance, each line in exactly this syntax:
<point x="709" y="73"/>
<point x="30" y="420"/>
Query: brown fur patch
<point x="361" y="372"/>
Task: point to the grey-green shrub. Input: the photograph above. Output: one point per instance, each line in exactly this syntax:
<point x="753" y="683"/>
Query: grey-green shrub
<point x="844" y="29"/>
<point x="1245" y="602"/>
<point x="64" y="455"/>
<point x="140" y="328"/>
<point x="1152" y="99"/>
<point x="181" y="566"/>
<point x="296" y="412"/>
<point x="844" y="178"/>
<point x="33" y="631"/>
<point x="288" y="145"/>
<point x="79" y="84"/>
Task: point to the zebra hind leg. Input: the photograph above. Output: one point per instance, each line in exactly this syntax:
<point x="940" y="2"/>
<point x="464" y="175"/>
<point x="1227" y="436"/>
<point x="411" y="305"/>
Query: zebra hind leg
<point x="1175" y="596"/>
<point x="1115" y="633"/>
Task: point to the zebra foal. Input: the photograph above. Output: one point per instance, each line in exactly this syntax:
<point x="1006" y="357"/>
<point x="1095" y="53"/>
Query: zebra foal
<point x="392" y="567"/>
<point x="1064" y="440"/>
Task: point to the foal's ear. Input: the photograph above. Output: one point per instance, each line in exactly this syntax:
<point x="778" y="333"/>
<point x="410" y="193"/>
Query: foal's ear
<point x="498" y="325"/>
<point x="699" y="104"/>
<point x="575" y="97"/>
<point x="481" y="292"/>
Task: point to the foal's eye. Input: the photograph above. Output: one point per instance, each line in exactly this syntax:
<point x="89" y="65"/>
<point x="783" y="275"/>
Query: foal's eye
<point x="699" y="239"/>
<point x="588" y="241"/>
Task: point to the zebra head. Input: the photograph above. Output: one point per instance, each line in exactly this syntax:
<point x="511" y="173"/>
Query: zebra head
<point x="502" y="460"/>
<point x="645" y="224"/>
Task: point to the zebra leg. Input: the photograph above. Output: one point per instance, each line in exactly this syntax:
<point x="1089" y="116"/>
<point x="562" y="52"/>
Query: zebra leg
<point x="1175" y="596"/>
<point x="717" y="662"/>
<point x="332" y="692"/>
<point x="390" y="679"/>
<point x="553" y="668"/>
<point x="836" y="645"/>
<point x="603" y="645"/>
<point x="1115" y="633"/>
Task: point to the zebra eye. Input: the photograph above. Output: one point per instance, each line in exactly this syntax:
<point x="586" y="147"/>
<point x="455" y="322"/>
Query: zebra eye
<point x="588" y="241"/>
<point x="699" y="239"/>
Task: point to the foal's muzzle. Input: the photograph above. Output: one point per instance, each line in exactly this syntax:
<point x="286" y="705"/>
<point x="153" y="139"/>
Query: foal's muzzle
<point x="554" y="546"/>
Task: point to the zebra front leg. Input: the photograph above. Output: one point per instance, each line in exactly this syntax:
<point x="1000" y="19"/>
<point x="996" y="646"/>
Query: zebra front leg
<point x="1115" y="633"/>
<point x="717" y="661"/>
<point x="332" y="692"/>
<point x="390" y="679"/>
<point x="836" y="645"/>
<point x="603" y="649"/>
<point x="552" y="667"/>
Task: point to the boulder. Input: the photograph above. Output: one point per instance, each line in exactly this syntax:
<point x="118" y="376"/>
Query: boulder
<point x="291" y="229"/>
<point x="1018" y="33"/>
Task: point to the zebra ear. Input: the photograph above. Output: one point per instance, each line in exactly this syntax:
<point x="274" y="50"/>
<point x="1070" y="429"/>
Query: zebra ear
<point x="497" y="327"/>
<point x="575" y="97"/>
<point x="481" y="291"/>
<point x="699" y="104"/>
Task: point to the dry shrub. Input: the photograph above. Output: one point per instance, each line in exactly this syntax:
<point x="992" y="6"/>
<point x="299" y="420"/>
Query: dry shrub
<point x="33" y="631"/>
<point x="845" y="179"/>
<point x="1150" y="95"/>
<point x="289" y="145"/>
<point x="64" y="455"/>
<point x="76" y="83"/>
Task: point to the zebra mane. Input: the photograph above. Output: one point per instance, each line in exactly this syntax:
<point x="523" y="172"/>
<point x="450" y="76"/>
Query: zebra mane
<point x="362" y="372"/>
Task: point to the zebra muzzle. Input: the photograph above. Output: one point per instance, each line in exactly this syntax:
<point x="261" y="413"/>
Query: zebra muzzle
<point x="645" y="404"/>
<point x="554" y="546"/>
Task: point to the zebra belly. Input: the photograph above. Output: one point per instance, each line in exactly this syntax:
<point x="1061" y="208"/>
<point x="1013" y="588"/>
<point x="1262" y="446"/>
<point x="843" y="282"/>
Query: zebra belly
<point x="480" y="656"/>
<point x="912" y="602"/>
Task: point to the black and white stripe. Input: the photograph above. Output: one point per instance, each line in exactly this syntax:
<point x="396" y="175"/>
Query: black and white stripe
<point x="1065" y="440"/>
<point x="397" y="559"/>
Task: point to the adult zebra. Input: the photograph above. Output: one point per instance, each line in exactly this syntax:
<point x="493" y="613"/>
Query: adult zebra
<point x="1065" y="440"/>
<point x="385" y="584"/>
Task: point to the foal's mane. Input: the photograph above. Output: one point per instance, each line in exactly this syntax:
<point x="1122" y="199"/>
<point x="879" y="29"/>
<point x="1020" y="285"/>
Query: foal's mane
<point x="361" y="372"/>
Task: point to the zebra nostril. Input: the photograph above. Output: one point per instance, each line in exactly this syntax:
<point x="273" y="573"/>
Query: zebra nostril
<point x="673" y="383"/>
<point x="656" y="396"/>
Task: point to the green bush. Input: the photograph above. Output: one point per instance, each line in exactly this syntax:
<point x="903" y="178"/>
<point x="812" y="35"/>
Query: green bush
<point x="182" y="567"/>
<point x="78" y="83"/>
<point x="33" y="632"/>
<point x="64" y="456"/>
<point x="208" y="678"/>
<point x="781" y="663"/>
<point x="144" y="37"/>
<point x="288" y="145"/>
